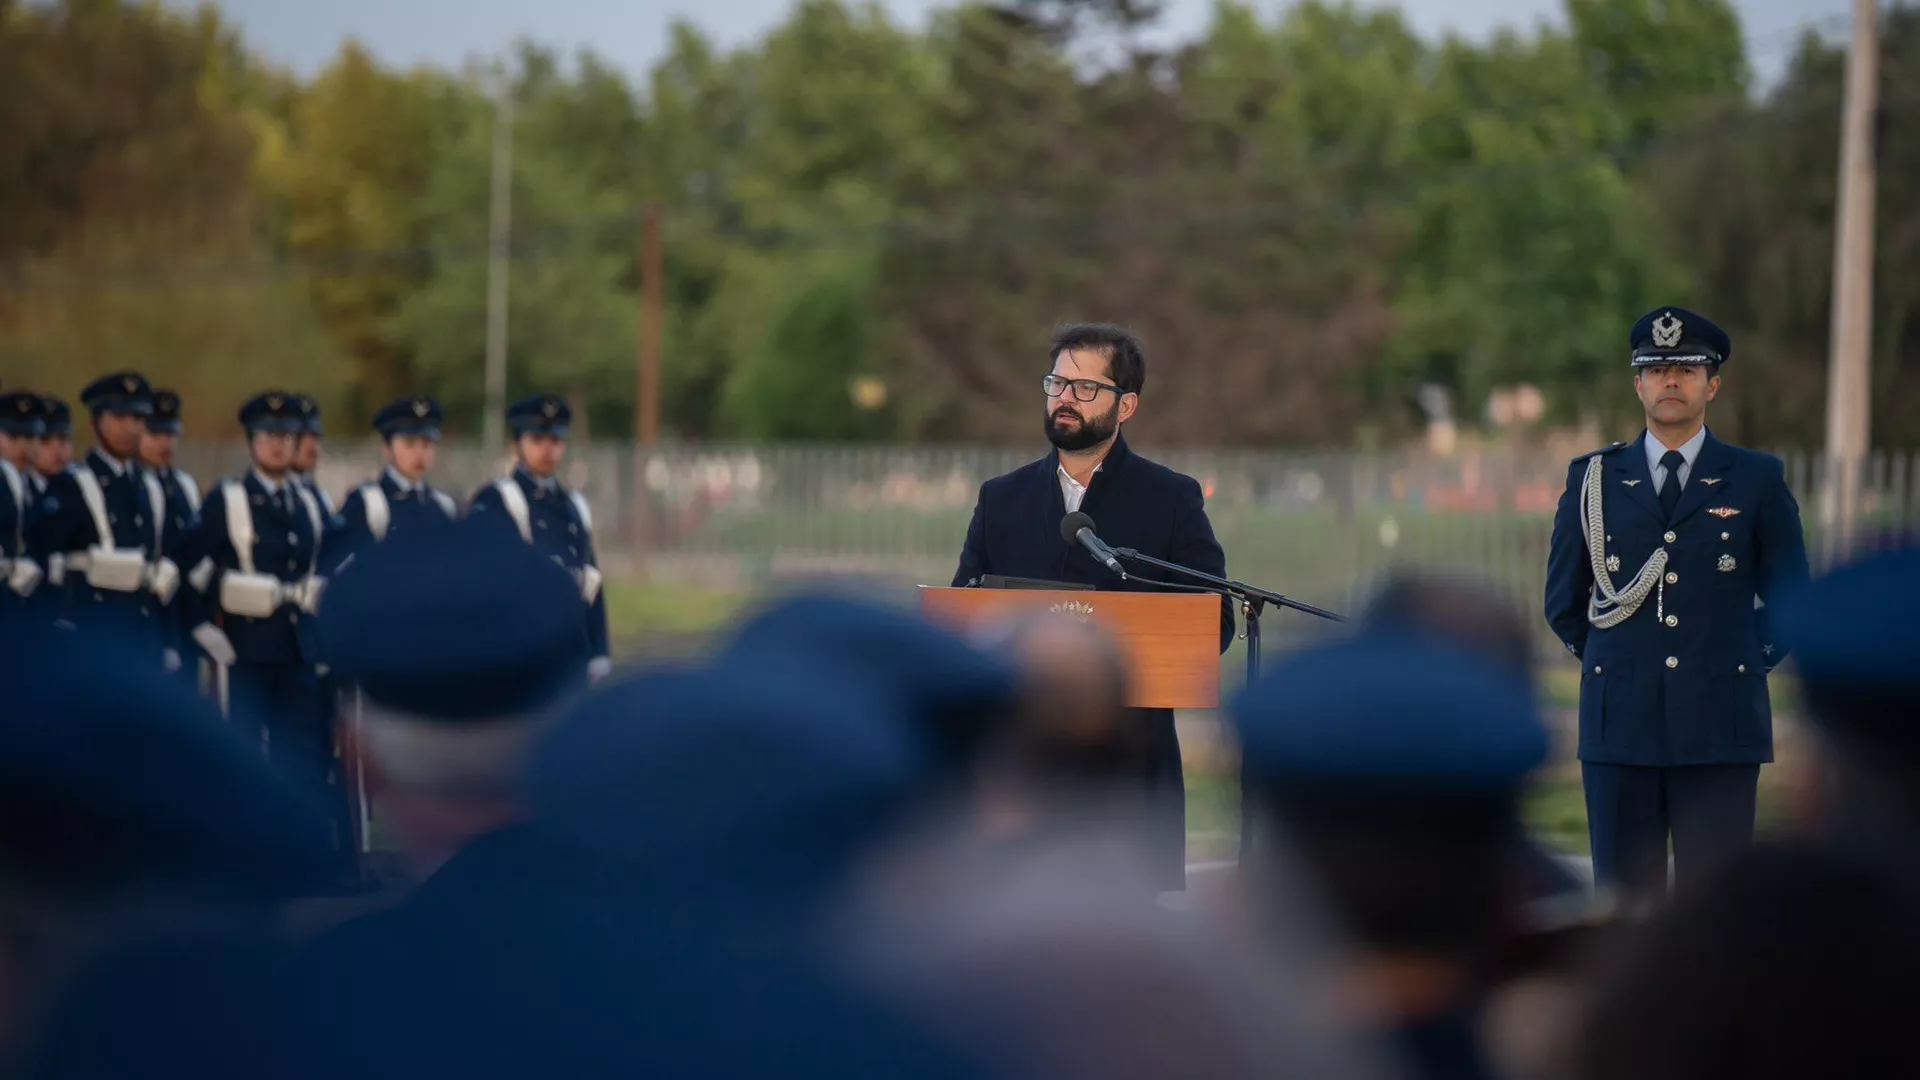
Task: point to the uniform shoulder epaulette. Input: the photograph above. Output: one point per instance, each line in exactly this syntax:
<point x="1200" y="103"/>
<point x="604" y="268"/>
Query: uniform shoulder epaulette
<point x="1598" y="453"/>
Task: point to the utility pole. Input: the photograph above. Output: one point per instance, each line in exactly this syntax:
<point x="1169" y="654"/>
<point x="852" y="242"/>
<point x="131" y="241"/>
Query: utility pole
<point x="499" y="233"/>
<point x="1850" y="344"/>
<point x="646" y="406"/>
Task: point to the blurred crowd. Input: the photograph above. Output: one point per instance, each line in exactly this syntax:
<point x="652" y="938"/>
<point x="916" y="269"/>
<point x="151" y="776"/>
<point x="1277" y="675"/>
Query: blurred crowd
<point x="850" y="843"/>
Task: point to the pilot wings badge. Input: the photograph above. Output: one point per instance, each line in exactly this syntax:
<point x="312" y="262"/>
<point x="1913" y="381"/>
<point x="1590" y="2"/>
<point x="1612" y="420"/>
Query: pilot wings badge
<point x="1723" y="512"/>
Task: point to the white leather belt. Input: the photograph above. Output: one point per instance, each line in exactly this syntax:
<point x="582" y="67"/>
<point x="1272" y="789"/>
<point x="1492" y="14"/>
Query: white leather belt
<point x="257" y="596"/>
<point x="121" y="570"/>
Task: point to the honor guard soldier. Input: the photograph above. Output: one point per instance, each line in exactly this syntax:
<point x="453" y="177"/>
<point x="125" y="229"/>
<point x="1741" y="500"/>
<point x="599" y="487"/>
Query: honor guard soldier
<point x="20" y="426"/>
<point x="183" y="519"/>
<point x="306" y="450"/>
<point x="99" y="529"/>
<point x="261" y="535"/>
<point x="53" y="451"/>
<point x="1660" y="548"/>
<point x="400" y="499"/>
<point x="532" y="501"/>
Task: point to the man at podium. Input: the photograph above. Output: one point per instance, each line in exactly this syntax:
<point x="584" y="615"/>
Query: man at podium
<point x="1092" y="390"/>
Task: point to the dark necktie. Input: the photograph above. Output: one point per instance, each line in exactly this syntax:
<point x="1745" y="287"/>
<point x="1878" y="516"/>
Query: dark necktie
<point x="1670" y="491"/>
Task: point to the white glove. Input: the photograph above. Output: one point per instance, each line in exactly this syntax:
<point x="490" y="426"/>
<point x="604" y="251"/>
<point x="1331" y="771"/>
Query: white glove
<point x="24" y="577"/>
<point x="214" y="641"/>
<point x="170" y="658"/>
<point x="599" y="668"/>
<point x="310" y="590"/>
<point x="163" y="578"/>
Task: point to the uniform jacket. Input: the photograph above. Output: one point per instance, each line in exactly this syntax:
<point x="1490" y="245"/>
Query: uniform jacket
<point x="1136" y="503"/>
<point x="284" y="546"/>
<point x="417" y="507"/>
<point x="1683" y="680"/>
<point x="16" y="498"/>
<point x="183" y="523"/>
<point x="61" y="524"/>
<point x="559" y="530"/>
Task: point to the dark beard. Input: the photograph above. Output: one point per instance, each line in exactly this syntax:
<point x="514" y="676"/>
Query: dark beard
<point x="1093" y="430"/>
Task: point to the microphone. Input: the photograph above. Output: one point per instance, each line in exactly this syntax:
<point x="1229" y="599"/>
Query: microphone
<point x="1077" y="528"/>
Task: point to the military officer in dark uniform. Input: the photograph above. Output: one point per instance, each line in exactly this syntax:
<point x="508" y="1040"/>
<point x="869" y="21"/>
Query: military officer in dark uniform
<point x="1660" y="547"/>
<point x="53" y="450"/>
<point x="99" y="527"/>
<point x="532" y="501"/>
<point x="261" y="535"/>
<point x="401" y="498"/>
<point x="183" y="523"/>
<point x="19" y="428"/>
<point x="306" y="450"/>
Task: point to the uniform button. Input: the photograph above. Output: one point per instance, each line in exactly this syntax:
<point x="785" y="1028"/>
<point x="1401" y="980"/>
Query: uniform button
<point x="292" y="565"/>
<point x="1742" y="669"/>
<point x="1673" y="578"/>
<point x="138" y="520"/>
<point x="572" y="529"/>
<point x="1596" y="669"/>
<point x="571" y="550"/>
<point x="1673" y="620"/>
<point x="293" y="538"/>
<point x="113" y="519"/>
<point x="1670" y="537"/>
<point x="542" y="524"/>
<point x="1726" y="536"/>
<point x="1673" y="661"/>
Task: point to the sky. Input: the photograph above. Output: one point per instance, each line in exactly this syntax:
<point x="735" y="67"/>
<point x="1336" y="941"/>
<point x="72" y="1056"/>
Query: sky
<point x="304" y="34"/>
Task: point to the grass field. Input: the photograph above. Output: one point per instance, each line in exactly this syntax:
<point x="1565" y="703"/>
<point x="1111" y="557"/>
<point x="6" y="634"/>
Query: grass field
<point x="668" y="619"/>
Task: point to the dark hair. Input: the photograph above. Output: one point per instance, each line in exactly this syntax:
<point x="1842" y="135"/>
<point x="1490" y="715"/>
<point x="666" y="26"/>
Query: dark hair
<point x="1126" y="361"/>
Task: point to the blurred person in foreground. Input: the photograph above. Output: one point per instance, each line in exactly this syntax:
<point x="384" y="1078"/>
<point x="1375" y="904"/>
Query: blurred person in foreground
<point x="1660" y="548"/>
<point x="458" y="640"/>
<point x="1392" y="767"/>
<point x="20" y="573"/>
<point x="138" y="834"/>
<point x="100" y="528"/>
<point x="1093" y="388"/>
<point x="533" y="503"/>
<point x="1797" y="961"/>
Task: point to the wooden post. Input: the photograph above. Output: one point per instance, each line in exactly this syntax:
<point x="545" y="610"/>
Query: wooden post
<point x="1850" y="344"/>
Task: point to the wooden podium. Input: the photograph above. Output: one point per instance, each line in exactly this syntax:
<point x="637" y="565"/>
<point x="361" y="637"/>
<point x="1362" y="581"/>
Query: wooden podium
<point x="1172" y="639"/>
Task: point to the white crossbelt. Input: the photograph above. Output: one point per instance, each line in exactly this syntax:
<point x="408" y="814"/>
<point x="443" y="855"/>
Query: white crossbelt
<point x="255" y="595"/>
<point x="116" y="569"/>
<point x="1607" y="607"/>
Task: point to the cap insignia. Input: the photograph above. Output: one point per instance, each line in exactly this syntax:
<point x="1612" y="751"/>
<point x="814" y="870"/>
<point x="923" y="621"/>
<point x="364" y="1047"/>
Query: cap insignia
<point x="274" y="401"/>
<point x="420" y="407"/>
<point x="132" y="384"/>
<point x="1666" y="331"/>
<point x="550" y="409"/>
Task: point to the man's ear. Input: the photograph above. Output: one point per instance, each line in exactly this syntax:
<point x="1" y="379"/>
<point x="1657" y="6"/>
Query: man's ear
<point x="1129" y="404"/>
<point x="1713" y="386"/>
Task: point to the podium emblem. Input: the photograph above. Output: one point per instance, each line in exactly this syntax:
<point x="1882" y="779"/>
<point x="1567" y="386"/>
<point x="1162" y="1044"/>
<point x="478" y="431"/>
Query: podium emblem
<point x="1073" y="609"/>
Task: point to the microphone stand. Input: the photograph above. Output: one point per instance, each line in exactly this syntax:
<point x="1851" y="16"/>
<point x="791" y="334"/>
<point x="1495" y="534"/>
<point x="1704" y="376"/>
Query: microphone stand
<point x="1251" y="600"/>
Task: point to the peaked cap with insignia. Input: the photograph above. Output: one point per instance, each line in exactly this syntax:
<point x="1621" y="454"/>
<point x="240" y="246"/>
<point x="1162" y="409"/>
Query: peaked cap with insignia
<point x="166" y="413"/>
<point x="541" y="414"/>
<point x="309" y="412"/>
<point x="274" y="411"/>
<point x="20" y="414"/>
<point x="1672" y="335"/>
<point x="56" y="416"/>
<point x="126" y="393"/>
<point x="414" y="415"/>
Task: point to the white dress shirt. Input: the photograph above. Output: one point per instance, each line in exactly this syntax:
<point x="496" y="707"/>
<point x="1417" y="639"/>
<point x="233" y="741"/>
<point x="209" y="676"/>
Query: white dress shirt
<point x="1689" y="450"/>
<point x="1073" y="491"/>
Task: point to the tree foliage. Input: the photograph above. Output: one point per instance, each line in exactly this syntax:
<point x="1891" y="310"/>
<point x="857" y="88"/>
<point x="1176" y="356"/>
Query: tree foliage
<point x="870" y="230"/>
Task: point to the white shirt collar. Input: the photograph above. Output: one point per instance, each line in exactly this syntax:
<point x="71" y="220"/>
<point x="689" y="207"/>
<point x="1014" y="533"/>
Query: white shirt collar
<point x="401" y="482"/>
<point x="273" y="486"/>
<point x="113" y="464"/>
<point x="544" y="483"/>
<point x="1689" y="450"/>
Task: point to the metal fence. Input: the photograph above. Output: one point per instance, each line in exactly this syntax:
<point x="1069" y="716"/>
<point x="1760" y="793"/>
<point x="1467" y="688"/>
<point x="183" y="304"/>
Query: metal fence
<point x="1317" y="526"/>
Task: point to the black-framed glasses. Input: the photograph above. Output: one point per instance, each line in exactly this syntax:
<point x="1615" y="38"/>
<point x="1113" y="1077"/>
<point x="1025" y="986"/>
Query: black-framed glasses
<point x="1083" y="389"/>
